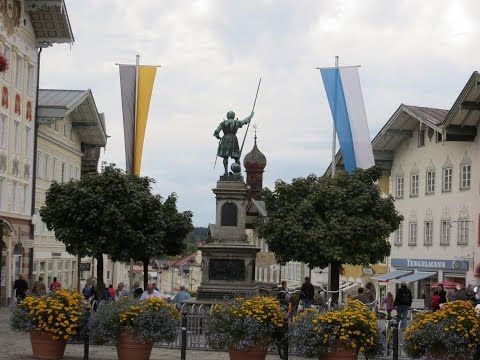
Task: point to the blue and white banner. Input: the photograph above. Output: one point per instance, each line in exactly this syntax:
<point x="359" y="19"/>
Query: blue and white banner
<point x="344" y="94"/>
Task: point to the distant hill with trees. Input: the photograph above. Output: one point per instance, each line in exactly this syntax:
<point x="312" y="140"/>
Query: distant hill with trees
<point x="193" y="238"/>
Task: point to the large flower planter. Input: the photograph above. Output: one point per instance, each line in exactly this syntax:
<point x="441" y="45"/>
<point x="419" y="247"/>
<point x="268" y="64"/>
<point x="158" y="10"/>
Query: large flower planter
<point x="340" y="354"/>
<point x="130" y="349"/>
<point x="257" y="352"/>
<point x="45" y="347"/>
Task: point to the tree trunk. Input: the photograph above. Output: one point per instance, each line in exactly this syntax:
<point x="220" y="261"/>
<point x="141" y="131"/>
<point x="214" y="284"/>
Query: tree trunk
<point x="145" y="273"/>
<point x="100" y="283"/>
<point x="335" y="268"/>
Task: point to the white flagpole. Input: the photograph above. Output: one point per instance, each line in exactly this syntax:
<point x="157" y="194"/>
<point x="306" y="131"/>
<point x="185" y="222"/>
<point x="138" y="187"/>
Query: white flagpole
<point x="334" y="140"/>
<point x="334" y="146"/>
<point x="137" y="64"/>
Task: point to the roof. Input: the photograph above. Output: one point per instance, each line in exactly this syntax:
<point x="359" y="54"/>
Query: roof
<point x="50" y="22"/>
<point x="402" y="124"/>
<point x="465" y="110"/>
<point x="189" y="260"/>
<point x="80" y="105"/>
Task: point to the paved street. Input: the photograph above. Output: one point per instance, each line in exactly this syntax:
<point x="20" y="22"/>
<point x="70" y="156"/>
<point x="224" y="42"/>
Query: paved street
<point x="15" y="345"/>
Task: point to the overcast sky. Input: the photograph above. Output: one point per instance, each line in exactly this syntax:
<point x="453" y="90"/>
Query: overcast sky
<point x="212" y="54"/>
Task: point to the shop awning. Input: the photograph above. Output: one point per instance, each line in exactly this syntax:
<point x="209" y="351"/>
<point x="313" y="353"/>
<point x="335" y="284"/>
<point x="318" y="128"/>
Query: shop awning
<point x="415" y="277"/>
<point x="391" y="275"/>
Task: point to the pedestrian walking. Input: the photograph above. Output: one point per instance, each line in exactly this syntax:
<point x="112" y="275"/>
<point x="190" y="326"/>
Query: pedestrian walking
<point x="307" y="293"/>
<point x="55" y="285"/>
<point x="403" y="301"/>
<point x="180" y="297"/>
<point x="39" y="288"/>
<point x="20" y="288"/>
<point x="150" y="292"/>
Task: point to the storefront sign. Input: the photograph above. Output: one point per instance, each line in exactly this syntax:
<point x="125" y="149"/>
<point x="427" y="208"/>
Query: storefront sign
<point x="84" y="266"/>
<point x="455" y="265"/>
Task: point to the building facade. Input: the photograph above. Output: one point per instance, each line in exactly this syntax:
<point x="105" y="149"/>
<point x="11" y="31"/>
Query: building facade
<point x="430" y="156"/>
<point x="22" y="34"/>
<point x="69" y="126"/>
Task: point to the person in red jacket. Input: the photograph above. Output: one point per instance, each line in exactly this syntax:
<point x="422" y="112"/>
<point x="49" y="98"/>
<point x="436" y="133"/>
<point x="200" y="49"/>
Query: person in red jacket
<point x="111" y="292"/>
<point x="435" y="301"/>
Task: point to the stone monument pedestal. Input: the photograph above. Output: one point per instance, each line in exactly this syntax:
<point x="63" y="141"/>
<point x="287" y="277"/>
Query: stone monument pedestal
<point x="228" y="259"/>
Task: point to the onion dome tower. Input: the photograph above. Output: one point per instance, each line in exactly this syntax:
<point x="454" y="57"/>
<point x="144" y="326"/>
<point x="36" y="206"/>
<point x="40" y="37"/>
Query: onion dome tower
<point x="255" y="163"/>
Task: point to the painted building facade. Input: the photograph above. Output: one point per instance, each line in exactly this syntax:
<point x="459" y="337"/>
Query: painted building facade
<point x="69" y="127"/>
<point x="430" y="156"/>
<point x="22" y="34"/>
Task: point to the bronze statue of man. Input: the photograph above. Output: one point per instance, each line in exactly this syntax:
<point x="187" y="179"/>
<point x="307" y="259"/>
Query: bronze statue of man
<point x="228" y="146"/>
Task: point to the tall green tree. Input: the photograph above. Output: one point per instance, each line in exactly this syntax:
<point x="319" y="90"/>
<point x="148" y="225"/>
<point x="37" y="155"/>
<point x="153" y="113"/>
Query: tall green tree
<point x="325" y="220"/>
<point x="116" y="214"/>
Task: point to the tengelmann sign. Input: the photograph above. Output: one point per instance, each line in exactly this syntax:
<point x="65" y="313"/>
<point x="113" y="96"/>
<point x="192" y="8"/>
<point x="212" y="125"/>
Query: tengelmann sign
<point x="458" y="265"/>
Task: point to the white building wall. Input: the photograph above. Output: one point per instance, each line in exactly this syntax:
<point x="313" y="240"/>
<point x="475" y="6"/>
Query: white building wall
<point x="59" y="158"/>
<point x="452" y="206"/>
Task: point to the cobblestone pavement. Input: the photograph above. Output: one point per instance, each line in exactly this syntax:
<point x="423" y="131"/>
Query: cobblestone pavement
<point x="15" y="345"/>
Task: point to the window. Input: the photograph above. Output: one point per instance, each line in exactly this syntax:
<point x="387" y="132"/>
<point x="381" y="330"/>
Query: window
<point x="70" y="175"/>
<point x="55" y="126"/>
<point x="63" y="171"/>
<point x="16" y="136"/>
<point x="399" y="235"/>
<point x="463" y="230"/>
<point x="421" y="135"/>
<point x="30" y="80"/>
<point x="25" y="200"/>
<point x="3" y="127"/>
<point x="77" y="173"/>
<point x="465" y="176"/>
<point x="60" y="265"/>
<point x="19" y="73"/>
<point x="439" y="137"/>
<point x="414" y="185"/>
<point x="7" y="53"/>
<point x="428" y="236"/>
<point x="46" y="167"/>
<point x="14" y="196"/>
<point x="65" y="129"/>
<point x="412" y="234"/>
<point x="399" y="194"/>
<point x="54" y="168"/>
<point x="430" y="182"/>
<point x="445" y="232"/>
<point x="447" y="180"/>
<point x="39" y="156"/>
<point x="27" y="140"/>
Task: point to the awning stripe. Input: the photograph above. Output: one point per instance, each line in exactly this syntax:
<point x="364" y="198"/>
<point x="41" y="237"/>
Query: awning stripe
<point x="391" y="275"/>
<point x="414" y="277"/>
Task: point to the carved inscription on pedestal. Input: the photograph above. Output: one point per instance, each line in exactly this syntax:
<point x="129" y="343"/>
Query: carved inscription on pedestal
<point x="226" y="269"/>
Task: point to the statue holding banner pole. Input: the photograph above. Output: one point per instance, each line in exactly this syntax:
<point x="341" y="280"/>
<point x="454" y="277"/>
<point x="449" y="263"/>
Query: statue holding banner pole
<point x="228" y="145"/>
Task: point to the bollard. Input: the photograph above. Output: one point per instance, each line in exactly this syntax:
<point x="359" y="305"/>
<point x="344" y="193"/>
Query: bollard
<point x="86" y="339"/>
<point x="395" y="340"/>
<point x="183" y="351"/>
<point x="285" y="339"/>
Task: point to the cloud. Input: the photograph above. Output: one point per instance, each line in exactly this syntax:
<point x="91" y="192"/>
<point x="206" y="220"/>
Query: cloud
<point x="212" y="53"/>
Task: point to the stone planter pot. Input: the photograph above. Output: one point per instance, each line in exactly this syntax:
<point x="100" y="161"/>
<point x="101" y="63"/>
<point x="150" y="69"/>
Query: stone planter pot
<point x="257" y="352"/>
<point x="130" y="349"/>
<point x="45" y="347"/>
<point x="340" y="354"/>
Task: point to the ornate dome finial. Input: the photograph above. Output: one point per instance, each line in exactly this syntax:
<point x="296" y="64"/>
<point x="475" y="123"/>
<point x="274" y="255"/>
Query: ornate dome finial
<point x="255" y="160"/>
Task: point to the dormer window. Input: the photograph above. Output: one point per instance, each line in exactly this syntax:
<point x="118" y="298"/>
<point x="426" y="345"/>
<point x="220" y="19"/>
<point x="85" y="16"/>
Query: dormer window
<point x="421" y="135"/>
